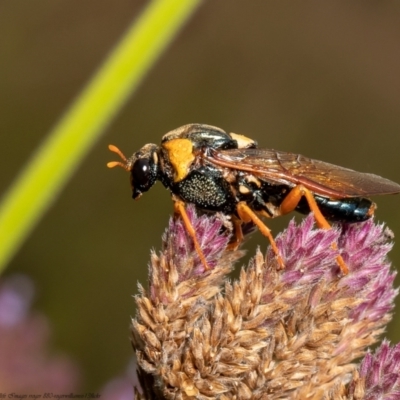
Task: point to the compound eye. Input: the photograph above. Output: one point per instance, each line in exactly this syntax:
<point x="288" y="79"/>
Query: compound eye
<point x="141" y="172"/>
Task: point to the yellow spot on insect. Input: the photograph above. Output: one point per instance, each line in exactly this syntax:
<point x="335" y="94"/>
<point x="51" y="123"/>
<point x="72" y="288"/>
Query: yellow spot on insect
<point x="243" y="189"/>
<point x="180" y="154"/>
<point x="155" y="158"/>
<point x="253" y="179"/>
<point x="243" y="141"/>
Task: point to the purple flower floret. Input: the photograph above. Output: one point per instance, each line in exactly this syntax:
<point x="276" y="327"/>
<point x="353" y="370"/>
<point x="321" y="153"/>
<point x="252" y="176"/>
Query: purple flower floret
<point x="308" y="253"/>
<point x="365" y="247"/>
<point x="379" y="374"/>
<point x="208" y="233"/>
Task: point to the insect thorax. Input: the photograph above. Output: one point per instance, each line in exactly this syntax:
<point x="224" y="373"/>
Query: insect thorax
<point x="207" y="189"/>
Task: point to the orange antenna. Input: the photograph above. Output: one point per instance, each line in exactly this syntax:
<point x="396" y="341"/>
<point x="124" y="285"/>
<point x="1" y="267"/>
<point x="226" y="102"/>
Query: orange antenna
<point x="113" y="164"/>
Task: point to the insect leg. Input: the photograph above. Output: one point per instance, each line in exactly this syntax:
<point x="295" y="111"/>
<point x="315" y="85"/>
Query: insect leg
<point x="246" y="214"/>
<point x="179" y="208"/>
<point x="238" y="238"/>
<point x="291" y="201"/>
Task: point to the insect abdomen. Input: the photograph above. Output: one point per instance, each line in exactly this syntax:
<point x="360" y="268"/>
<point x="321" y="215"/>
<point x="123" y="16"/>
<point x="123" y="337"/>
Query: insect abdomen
<point x="354" y="209"/>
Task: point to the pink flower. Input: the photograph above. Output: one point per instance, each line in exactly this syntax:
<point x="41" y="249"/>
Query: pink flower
<point x="292" y="333"/>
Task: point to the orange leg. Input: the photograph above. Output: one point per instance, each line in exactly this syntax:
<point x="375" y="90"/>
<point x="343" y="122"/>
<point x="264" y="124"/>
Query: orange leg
<point x="290" y="203"/>
<point x="238" y="238"/>
<point x="179" y="207"/>
<point x="246" y="214"/>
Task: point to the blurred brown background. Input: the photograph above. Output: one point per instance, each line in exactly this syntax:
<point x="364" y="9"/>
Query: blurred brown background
<point x="312" y="77"/>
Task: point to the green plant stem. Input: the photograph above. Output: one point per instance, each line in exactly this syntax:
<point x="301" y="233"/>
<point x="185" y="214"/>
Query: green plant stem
<point x="55" y="160"/>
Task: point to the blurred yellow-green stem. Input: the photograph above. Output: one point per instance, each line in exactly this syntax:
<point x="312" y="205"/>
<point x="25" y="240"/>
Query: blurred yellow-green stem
<point x="56" y="159"/>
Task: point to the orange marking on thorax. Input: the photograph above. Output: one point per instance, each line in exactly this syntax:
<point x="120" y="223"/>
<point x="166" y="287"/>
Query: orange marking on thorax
<point x="180" y="153"/>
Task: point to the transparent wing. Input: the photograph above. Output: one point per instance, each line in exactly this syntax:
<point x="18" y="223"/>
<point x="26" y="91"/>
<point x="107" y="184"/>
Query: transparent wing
<point x="279" y="167"/>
